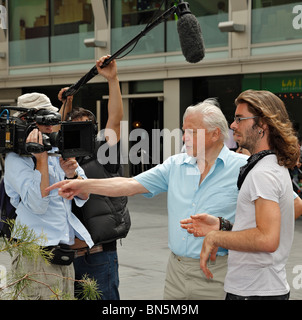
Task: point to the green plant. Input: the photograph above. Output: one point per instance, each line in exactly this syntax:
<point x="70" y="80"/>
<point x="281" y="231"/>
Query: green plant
<point x="24" y="241"/>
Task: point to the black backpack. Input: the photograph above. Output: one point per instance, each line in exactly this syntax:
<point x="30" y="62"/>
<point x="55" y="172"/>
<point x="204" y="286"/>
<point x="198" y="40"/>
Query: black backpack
<point x="7" y="211"/>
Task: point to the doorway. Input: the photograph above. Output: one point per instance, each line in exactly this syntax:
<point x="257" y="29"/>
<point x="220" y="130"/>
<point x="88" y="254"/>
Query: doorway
<point x="145" y="115"/>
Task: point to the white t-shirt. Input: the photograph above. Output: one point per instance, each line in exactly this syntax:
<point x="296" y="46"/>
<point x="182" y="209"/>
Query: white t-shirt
<point x="262" y="273"/>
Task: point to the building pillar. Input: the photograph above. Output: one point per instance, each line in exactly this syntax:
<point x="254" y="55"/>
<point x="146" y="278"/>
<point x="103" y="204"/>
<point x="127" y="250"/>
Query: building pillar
<point x="171" y="115"/>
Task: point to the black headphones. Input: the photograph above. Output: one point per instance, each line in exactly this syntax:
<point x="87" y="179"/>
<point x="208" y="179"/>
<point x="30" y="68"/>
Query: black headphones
<point x="95" y="123"/>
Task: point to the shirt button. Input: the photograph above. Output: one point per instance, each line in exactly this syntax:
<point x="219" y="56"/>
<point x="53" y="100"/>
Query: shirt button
<point x="193" y="204"/>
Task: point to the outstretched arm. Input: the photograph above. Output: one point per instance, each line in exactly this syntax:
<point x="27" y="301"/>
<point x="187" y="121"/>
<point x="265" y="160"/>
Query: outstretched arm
<point x="201" y="224"/>
<point x="115" y="103"/>
<point x="112" y="187"/>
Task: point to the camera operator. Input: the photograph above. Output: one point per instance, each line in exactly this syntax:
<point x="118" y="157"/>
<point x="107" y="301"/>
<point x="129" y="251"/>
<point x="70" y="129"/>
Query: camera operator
<point x="46" y="213"/>
<point x="106" y="223"/>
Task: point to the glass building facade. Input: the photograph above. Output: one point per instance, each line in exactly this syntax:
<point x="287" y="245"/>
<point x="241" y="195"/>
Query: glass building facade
<point x="130" y="17"/>
<point x="276" y="23"/>
<point x="49" y="31"/>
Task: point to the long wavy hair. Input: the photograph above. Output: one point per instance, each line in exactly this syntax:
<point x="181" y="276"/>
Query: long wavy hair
<point x="272" y="111"/>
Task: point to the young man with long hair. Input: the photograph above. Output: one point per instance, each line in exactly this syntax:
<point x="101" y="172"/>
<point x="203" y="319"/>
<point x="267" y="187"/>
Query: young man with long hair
<point x="262" y="235"/>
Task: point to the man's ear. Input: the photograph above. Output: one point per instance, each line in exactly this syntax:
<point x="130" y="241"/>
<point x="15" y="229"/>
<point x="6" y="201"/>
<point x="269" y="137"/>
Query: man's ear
<point x="216" y="134"/>
<point x="263" y="125"/>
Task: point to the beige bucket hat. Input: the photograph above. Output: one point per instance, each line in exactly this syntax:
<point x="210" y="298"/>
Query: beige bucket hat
<point x="36" y="101"/>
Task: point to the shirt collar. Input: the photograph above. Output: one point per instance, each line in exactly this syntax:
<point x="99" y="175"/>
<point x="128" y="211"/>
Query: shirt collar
<point x="223" y="155"/>
<point x="189" y="160"/>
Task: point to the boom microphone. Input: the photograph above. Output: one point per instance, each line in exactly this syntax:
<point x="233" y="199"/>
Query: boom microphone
<point x="73" y="89"/>
<point x="190" y="36"/>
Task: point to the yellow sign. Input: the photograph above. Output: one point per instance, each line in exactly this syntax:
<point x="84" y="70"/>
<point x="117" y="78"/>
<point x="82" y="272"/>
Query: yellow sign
<point x="294" y="84"/>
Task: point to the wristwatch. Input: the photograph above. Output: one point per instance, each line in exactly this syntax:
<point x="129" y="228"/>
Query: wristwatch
<point x="74" y="177"/>
<point x="224" y="225"/>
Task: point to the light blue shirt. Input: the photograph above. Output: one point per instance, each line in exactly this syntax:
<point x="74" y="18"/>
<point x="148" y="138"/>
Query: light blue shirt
<point x="51" y="215"/>
<point x="217" y="194"/>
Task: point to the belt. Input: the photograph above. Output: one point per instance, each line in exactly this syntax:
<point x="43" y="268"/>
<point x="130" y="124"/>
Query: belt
<point x="79" y="252"/>
<point x="83" y="251"/>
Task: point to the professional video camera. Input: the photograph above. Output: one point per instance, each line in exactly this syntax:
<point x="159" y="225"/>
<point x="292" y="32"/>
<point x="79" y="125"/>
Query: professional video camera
<point x="74" y="139"/>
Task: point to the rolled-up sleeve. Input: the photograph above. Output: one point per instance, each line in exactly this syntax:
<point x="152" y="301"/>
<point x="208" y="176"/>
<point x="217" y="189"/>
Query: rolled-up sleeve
<point x="23" y="181"/>
<point x="155" y="180"/>
<point x="78" y="201"/>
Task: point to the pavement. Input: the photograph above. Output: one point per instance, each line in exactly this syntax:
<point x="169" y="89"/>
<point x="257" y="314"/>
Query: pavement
<point x="144" y="253"/>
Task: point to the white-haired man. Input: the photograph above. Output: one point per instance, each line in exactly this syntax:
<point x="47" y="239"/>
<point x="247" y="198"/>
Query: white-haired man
<point x="201" y="180"/>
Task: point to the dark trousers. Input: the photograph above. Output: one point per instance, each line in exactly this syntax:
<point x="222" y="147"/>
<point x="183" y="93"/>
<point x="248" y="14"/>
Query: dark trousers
<point x="103" y="267"/>
<point x="231" y="296"/>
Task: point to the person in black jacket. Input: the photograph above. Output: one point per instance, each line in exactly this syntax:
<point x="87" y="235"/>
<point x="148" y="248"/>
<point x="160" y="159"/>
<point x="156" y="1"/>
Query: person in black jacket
<point x="107" y="219"/>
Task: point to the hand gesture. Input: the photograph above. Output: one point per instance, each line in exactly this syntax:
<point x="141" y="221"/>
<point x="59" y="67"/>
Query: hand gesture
<point x="208" y="251"/>
<point x="200" y="224"/>
<point x="69" y="189"/>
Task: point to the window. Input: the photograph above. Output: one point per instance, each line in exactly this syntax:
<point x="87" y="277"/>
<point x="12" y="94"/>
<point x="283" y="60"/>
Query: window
<point x="273" y="20"/>
<point x="44" y="31"/>
<point x="209" y="13"/>
<point x="129" y="18"/>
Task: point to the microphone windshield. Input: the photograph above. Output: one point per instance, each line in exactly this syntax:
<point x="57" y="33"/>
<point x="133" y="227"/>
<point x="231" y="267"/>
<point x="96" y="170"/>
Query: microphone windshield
<point x="190" y="38"/>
